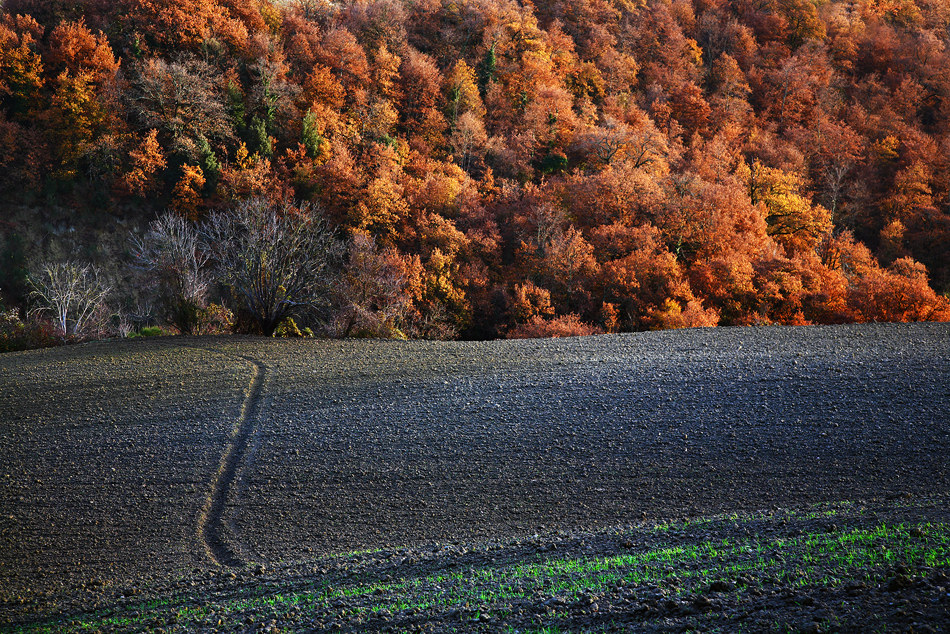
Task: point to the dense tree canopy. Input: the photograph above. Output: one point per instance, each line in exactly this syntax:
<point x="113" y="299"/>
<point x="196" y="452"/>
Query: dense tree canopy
<point x="502" y="167"/>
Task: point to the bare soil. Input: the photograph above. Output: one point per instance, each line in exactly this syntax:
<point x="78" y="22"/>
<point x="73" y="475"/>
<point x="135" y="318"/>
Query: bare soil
<point x="128" y="466"/>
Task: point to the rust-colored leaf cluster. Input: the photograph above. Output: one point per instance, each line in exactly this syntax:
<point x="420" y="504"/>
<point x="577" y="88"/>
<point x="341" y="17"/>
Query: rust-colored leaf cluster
<point x="505" y="168"/>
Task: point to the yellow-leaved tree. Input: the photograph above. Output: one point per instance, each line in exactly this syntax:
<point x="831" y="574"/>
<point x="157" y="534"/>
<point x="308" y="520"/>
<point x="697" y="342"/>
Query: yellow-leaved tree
<point x="791" y="218"/>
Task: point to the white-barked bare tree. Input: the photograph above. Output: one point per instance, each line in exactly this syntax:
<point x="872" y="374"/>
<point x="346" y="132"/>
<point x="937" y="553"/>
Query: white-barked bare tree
<point x="73" y="294"/>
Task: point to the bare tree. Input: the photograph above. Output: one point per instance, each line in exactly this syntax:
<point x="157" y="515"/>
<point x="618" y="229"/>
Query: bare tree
<point x="277" y="259"/>
<point x="172" y="253"/>
<point x="72" y="293"/>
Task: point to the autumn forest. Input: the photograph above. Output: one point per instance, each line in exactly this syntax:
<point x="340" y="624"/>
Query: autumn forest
<point x="485" y="168"/>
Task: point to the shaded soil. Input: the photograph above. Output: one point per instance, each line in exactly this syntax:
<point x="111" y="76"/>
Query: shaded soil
<point x="812" y="570"/>
<point x="113" y="453"/>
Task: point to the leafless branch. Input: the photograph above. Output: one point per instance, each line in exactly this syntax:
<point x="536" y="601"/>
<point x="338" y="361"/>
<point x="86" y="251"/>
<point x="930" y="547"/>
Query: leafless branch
<point x="277" y="259"/>
<point x="72" y="293"/>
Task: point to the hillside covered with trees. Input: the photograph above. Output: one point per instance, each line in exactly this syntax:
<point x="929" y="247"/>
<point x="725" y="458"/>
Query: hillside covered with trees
<point x="488" y="168"/>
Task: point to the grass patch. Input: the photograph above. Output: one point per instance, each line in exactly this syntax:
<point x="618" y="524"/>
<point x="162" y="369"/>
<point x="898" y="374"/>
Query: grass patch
<point x="148" y="331"/>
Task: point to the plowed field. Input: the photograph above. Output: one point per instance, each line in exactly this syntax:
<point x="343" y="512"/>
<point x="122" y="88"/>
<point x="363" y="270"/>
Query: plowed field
<point x="151" y="460"/>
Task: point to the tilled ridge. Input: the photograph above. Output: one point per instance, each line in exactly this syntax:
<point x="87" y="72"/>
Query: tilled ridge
<point x="211" y="522"/>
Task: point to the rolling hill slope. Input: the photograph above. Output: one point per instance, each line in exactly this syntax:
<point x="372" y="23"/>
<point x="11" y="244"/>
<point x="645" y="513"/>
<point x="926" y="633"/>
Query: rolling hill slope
<point x="142" y="460"/>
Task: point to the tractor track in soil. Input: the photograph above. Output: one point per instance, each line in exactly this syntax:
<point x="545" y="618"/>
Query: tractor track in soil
<point x="212" y="524"/>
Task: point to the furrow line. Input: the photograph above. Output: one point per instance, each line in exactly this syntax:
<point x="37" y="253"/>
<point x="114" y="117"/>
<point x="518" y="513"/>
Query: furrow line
<point x="211" y="521"/>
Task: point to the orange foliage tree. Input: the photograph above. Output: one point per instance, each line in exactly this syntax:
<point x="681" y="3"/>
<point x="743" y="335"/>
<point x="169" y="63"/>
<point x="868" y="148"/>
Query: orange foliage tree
<point x="517" y="168"/>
